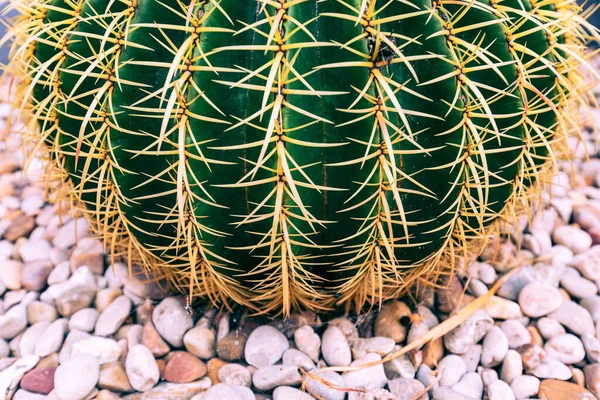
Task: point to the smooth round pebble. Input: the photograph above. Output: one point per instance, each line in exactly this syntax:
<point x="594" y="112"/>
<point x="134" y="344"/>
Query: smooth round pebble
<point x="549" y="328"/>
<point x="516" y="333"/>
<point x="308" y="342"/>
<point x="495" y="347"/>
<point x="113" y="316"/>
<point x="451" y="368"/>
<point x="290" y="393"/>
<point x="172" y="321"/>
<point x="322" y="390"/>
<point x="235" y="374"/>
<point x="566" y="348"/>
<point x="200" y="341"/>
<point x="335" y="348"/>
<point x="499" y="390"/>
<point x="141" y="368"/>
<point x="84" y="319"/>
<point x="76" y="378"/>
<point x="525" y="386"/>
<point x="538" y="299"/>
<point x="265" y="346"/>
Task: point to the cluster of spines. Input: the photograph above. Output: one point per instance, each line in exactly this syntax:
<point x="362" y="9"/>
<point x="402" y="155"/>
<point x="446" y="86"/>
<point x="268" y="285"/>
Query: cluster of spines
<point x="518" y="117"/>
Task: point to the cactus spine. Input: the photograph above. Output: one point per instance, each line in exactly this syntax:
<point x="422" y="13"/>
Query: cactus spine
<point x="299" y="153"/>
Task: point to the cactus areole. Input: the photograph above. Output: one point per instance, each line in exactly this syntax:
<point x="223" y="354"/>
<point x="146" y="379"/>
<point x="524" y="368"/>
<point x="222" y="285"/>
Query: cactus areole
<point x="299" y="154"/>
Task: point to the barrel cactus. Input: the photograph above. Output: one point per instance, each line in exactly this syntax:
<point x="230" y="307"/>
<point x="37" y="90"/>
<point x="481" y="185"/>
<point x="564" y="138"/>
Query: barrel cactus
<point x="299" y="154"/>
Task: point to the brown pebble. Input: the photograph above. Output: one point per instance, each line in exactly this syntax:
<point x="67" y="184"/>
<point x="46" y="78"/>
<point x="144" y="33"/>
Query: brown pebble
<point x="20" y="227"/>
<point x="231" y="347"/>
<point x="532" y="356"/>
<point x="161" y="364"/>
<point x="152" y="340"/>
<point x="553" y="389"/>
<point x="107" y="395"/>
<point x="50" y="361"/>
<point x="183" y="367"/>
<point x="106" y="296"/>
<point x="39" y="380"/>
<point x="578" y="376"/>
<point x="433" y="352"/>
<point x="113" y="377"/>
<point x="214" y="365"/>
<point x="389" y="321"/>
<point x="536" y="337"/>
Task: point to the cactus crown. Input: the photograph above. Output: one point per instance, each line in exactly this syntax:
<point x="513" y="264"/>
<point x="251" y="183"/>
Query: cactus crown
<point x="291" y="154"/>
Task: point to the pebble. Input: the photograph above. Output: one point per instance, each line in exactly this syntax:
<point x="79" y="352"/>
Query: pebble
<point x="84" y="320"/>
<point x="113" y="377"/>
<point x="592" y="378"/>
<point x="299" y="359"/>
<point x="38" y="311"/>
<point x="113" y="316"/>
<point x="566" y="348"/>
<point x="308" y="342"/>
<point x="76" y="378"/>
<point x="550" y="328"/>
<point x="35" y="274"/>
<point x="516" y="333"/>
<point x="13" y="322"/>
<point x="335" y="348"/>
<point x="34" y="250"/>
<point x="265" y="346"/>
<point x="531" y="355"/>
<point x="573" y="238"/>
<point x="12" y="374"/>
<point x="406" y="389"/>
<point x="152" y="340"/>
<point x="552" y="369"/>
<point x="325" y="391"/>
<point x="73" y="300"/>
<point x="499" y="390"/>
<point x="512" y="366"/>
<point x="446" y="393"/>
<point x="10" y="274"/>
<point x="73" y="337"/>
<point x="539" y="299"/>
<point x="271" y="376"/>
<point x="220" y="391"/>
<point x="592" y="304"/>
<point x="379" y="345"/>
<point x="525" y="386"/>
<point x="373" y="376"/>
<point x="553" y="389"/>
<point x="591" y="344"/>
<point x="141" y="368"/>
<point x="200" y="341"/>
<point x="499" y="308"/>
<point x="38" y="380"/>
<point x="30" y="338"/>
<point x="450" y="369"/>
<point x="60" y="273"/>
<point x="23" y="394"/>
<point x="574" y="317"/>
<point x="235" y="375"/>
<point x="399" y="367"/>
<point x="70" y="232"/>
<point x="53" y="338"/>
<point x="388" y="321"/>
<point x="588" y="263"/>
<point x="472" y="357"/>
<point x="172" y="320"/>
<point x="495" y="347"/>
<point x="286" y="392"/>
<point x="470" y="385"/>
<point x="183" y="367"/>
<point x="104" y="350"/>
<point x="576" y="285"/>
<point x="473" y="329"/>
<point x="231" y="347"/>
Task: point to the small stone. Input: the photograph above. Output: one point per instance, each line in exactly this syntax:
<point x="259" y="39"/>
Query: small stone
<point x="50" y="361"/>
<point x="35" y="274"/>
<point x="575" y="239"/>
<point x="31" y="337"/>
<point x="286" y="392"/>
<point x="84" y="320"/>
<point x="446" y="393"/>
<point x="450" y="296"/>
<point x="512" y="366"/>
<point x="451" y="368"/>
<point x="460" y="339"/>
<point x="20" y="227"/>
<point x="271" y="376"/>
<point x="308" y="342"/>
<point x="113" y="316"/>
<point x="536" y="338"/>
<point x="214" y="366"/>
<point x="11" y="375"/>
<point x="592" y="347"/>
<point x="13" y="297"/>
<point x="488" y="375"/>
<point x="200" y="341"/>
<point x="73" y="300"/>
<point x="525" y="386"/>
<point x="39" y="380"/>
<point x="516" y="333"/>
<point x="104" y="350"/>
<point x="53" y="338"/>
<point x="35" y="250"/>
<point x="433" y="351"/>
<point x="566" y="348"/>
<point x="172" y="320"/>
<point x="60" y="273"/>
<point x="182" y="367"/>
<point x="88" y="252"/>
<point x="399" y="367"/>
<point x="373" y="377"/>
<point x="113" y="377"/>
<point x="347" y="327"/>
<point x="576" y="318"/>
<point x="500" y="308"/>
<point x="538" y="299"/>
<point x="588" y="263"/>
<point x="298" y="358"/>
<point x="495" y="346"/>
<point x="553" y="389"/>
<point x="10" y="274"/>
<point x="549" y="328"/>
<point x="76" y="378"/>
<point x="470" y="385"/>
<point x="388" y="322"/>
<point x="335" y="348"/>
<point x="70" y="232"/>
<point x="576" y="285"/>
<point x="23" y="394"/>
<point x="379" y="345"/>
<point x="38" y="311"/>
<point x="427" y="377"/>
<point x="231" y="346"/>
<point x="406" y="389"/>
<point x="173" y="391"/>
<point x="325" y="391"/>
<point x="235" y="375"/>
<point x="499" y="390"/>
<point x="531" y="355"/>
<point x="152" y="340"/>
<point x="552" y="369"/>
<point x="472" y="357"/>
<point x="265" y="346"/>
<point x="73" y="337"/>
<point x="141" y="368"/>
<point x="220" y="391"/>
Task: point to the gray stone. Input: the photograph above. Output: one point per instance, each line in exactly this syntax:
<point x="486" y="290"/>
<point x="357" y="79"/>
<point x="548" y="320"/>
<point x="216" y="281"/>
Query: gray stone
<point x="460" y="339"/>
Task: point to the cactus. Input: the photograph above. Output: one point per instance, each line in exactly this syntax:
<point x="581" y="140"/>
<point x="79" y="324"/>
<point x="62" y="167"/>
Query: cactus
<point x="294" y="154"/>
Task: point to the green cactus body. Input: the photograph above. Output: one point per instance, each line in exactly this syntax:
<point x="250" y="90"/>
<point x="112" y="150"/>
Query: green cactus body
<point x="295" y="154"/>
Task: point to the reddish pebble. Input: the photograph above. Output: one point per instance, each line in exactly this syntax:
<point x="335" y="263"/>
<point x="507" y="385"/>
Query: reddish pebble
<point x="39" y="380"/>
<point x="182" y="367"/>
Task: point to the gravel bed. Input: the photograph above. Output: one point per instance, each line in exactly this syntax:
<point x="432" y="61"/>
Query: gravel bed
<point x="75" y="326"/>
